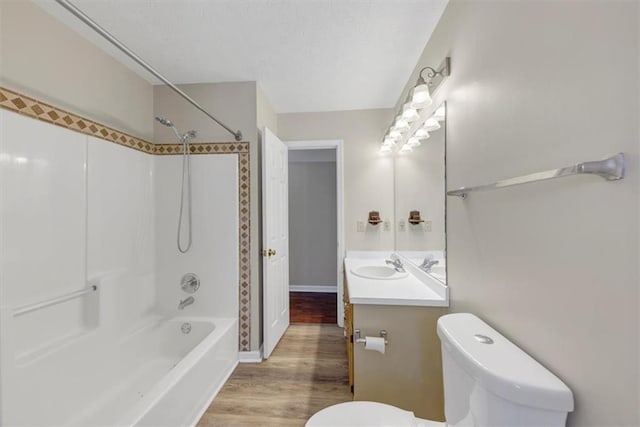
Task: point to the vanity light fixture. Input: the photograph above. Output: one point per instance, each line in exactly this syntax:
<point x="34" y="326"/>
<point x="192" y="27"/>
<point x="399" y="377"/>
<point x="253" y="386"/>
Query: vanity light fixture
<point x="440" y="113"/>
<point x="413" y="142"/>
<point x="413" y="123"/>
<point x="431" y="124"/>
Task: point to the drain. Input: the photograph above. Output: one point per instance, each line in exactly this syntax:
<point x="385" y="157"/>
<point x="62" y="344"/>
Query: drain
<point x="186" y="328"/>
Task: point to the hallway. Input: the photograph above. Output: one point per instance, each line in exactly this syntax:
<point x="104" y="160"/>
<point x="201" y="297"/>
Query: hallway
<point x="306" y="372"/>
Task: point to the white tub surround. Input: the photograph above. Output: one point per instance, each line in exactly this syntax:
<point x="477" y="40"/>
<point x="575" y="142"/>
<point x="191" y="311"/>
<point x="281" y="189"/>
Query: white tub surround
<point x="78" y="212"/>
<point x="416" y="288"/>
<point x="214" y="253"/>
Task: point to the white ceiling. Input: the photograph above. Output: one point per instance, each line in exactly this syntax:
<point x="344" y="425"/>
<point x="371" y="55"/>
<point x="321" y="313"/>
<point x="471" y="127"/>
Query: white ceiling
<point x="307" y="55"/>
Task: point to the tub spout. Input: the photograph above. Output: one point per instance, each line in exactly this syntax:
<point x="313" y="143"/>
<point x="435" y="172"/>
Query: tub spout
<point x="185" y="302"/>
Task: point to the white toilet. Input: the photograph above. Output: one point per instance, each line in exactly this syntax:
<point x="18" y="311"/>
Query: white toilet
<point x="488" y="381"/>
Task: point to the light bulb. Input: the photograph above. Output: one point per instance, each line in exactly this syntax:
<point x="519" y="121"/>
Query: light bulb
<point x="431" y="124"/>
<point x="406" y="149"/>
<point x="413" y="142"/>
<point x="420" y="97"/>
<point x="440" y="114"/>
<point x="401" y="124"/>
<point x="409" y="113"/>
<point x="395" y="134"/>
<point x="389" y="141"/>
<point x="421" y="133"/>
<point x="385" y="150"/>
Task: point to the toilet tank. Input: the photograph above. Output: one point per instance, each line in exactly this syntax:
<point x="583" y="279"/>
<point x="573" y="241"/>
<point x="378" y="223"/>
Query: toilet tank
<point x="489" y="381"/>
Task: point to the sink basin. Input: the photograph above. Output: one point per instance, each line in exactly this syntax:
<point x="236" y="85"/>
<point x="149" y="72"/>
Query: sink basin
<point x="378" y="272"/>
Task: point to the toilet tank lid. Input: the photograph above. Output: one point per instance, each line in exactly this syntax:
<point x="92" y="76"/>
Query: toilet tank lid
<point x="501" y="366"/>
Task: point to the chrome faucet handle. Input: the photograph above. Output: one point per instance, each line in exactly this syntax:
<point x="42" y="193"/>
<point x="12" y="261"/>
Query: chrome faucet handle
<point x="397" y="264"/>
<point x="190" y="283"/>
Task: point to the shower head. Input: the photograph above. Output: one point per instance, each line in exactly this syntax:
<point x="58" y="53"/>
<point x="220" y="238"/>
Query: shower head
<point x="164" y="121"/>
<point x="184" y="137"/>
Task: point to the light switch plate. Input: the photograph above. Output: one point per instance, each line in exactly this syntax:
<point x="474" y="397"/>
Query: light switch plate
<point x="426" y="226"/>
<point x="360" y="226"/>
<point x="386" y="225"/>
<point x="402" y="225"/>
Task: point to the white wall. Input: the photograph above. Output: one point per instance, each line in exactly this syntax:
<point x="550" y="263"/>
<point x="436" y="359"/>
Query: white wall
<point x="552" y="265"/>
<point x="368" y="177"/>
<point x="42" y="58"/>
<point x="265" y="114"/>
<point x="214" y="253"/>
<point x="312" y="223"/>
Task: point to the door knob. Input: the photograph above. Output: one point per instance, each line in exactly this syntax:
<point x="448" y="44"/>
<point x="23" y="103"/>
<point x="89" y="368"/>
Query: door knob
<point x="271" y="252"/>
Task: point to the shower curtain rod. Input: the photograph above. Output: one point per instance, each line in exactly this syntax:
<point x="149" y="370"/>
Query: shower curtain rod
<point x="111" y="39"/>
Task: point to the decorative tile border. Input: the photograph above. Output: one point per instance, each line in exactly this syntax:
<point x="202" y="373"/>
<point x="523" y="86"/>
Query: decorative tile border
<point x="27" y="106"/>
<point x="244" y="170"/>
<point x="203" y="148"/>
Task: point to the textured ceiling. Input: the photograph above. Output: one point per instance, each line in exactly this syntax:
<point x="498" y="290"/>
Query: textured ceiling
<point x="307" y="55"/>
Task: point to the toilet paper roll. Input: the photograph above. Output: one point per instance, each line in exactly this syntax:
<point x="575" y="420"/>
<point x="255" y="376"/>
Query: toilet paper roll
<point x="375" y="344"/>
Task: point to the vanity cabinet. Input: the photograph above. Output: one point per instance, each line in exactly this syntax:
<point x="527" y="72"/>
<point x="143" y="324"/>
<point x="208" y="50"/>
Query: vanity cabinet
<point x="348" y="329"/>
<point x="409" y="374"/>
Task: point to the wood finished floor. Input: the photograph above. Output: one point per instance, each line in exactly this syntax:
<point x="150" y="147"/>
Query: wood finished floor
<point x="313" y="307"/>
<point x="306" y="372"/>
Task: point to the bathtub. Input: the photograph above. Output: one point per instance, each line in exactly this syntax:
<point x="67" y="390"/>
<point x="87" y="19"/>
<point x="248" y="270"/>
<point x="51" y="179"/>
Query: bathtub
<point x="164" y="371"/>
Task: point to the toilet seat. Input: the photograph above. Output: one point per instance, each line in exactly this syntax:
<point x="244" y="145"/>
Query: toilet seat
<point x="367" y="414"/>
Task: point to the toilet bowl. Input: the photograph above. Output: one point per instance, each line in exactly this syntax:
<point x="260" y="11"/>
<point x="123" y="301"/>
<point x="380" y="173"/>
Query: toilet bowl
<point x="488" y="381"/>
<point x="369" y="414"/>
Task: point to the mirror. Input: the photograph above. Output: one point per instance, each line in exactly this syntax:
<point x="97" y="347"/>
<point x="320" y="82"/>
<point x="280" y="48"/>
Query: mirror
<point x="420" y="201"/>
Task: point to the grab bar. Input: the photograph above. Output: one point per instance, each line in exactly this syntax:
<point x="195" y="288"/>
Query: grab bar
<point x="611" y="169"/>
<point x="19" y="311"/>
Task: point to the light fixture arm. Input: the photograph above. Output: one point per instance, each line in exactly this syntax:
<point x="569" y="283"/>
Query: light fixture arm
<point x="432" y="72"/>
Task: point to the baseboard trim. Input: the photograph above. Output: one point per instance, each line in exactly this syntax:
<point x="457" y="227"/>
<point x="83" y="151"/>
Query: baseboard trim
<point x="322" y="289"/>
<point x="250" y="356"/>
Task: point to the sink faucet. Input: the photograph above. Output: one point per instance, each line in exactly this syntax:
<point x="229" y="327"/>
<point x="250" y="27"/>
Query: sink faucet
<point x="397" y="264"/>
<point x="428" y="263"/>
<point x="185" y="302"/>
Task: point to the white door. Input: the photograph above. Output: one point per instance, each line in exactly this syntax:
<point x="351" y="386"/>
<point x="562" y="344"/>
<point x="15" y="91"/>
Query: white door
<point x="275" y="239"/>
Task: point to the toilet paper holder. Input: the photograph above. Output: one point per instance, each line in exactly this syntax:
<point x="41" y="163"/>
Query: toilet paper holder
<point x="359" y="340"/>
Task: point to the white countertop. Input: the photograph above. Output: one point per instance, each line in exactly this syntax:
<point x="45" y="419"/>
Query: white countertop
<point x="416" y="289"/>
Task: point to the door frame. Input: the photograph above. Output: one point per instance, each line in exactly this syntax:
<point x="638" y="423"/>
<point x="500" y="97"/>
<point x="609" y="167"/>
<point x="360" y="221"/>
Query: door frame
<point x="336" y="144"/>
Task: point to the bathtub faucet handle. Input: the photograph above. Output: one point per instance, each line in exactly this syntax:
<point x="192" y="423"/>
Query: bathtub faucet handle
<point x="190" y="283"/>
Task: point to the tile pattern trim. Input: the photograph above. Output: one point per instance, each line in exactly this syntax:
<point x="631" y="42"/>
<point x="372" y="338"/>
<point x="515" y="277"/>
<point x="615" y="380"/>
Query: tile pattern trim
<point x="22" y="104"/>
<point x="27" y="106"/>
<point x="203" y="148"/>
<point x="244" y="204"/>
